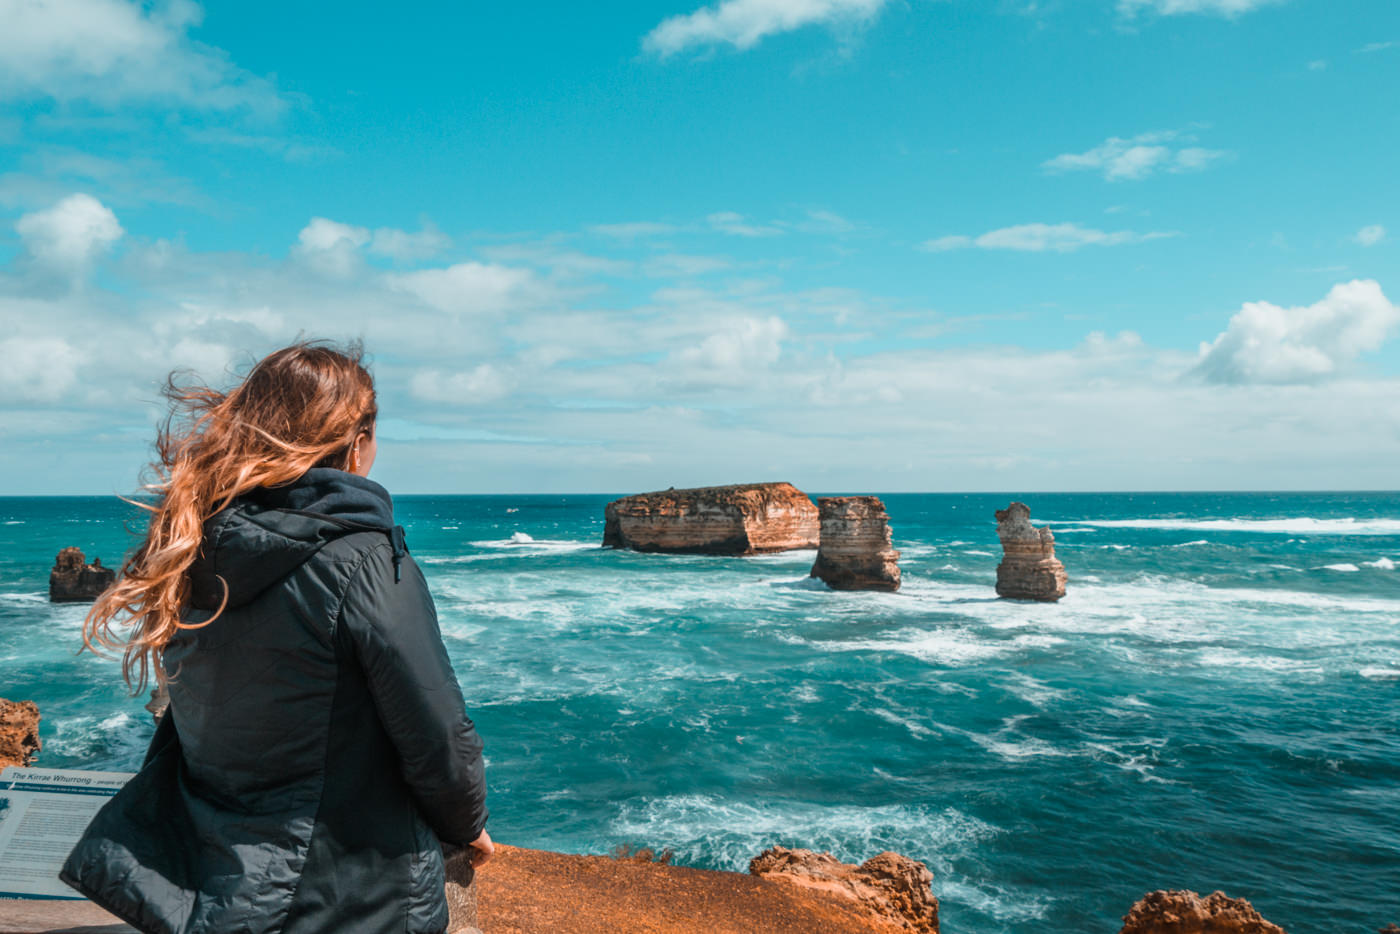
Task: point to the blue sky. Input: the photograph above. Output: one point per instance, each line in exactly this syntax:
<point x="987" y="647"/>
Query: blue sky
<point x="855" y="244"/>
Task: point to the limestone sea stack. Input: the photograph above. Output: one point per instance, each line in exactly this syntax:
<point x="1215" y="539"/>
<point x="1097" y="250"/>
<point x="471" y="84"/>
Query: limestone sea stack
<point x="894" y="888"/>
<point x="743" y="519"/>
<point x="1028" y="569"/>
<point x="1185" y="912"/>
<point x="19" y="732"/>
<point x="855" y="552"/>
<point x="73" y="580"/>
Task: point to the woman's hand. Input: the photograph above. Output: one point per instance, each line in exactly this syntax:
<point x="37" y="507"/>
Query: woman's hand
<point x="482" y="850"/>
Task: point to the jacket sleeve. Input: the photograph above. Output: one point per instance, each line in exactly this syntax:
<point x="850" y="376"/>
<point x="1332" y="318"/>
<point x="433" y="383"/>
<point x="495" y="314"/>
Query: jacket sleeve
<point x="393" y="628"/>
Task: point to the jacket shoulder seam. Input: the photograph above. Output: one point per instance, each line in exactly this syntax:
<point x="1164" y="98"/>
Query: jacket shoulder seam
<point x="357" y="561"/>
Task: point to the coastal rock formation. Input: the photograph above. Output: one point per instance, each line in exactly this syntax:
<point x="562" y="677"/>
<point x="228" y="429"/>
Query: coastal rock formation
<point x="1185" y="912"/>
<point x="19" y="732"/>
<point x="1029" y="569"/>
<point x="73" y="580"/>
<point x="855" y="552"/>
<point x="895" y="888"/>
<point x="744" y="519"/>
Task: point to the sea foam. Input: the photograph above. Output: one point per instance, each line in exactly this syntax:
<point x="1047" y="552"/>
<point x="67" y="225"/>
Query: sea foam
<point x="1300" y="525"/>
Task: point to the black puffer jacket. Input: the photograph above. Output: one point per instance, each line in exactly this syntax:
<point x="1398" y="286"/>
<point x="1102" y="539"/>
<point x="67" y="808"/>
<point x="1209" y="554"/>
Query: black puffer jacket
<point x="316" y="748"/>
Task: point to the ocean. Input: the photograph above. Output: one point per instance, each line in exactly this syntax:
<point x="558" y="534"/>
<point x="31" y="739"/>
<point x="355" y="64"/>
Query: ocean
<point x="1214" y="705"/>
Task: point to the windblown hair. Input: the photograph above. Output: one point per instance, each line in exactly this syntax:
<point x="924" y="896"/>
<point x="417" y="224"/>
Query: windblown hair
<point x="300" y="407"/>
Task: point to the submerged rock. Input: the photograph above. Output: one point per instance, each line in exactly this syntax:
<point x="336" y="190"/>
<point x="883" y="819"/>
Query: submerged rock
<point x="1185" y="912"/>
<point x="19" y="732"/>
<point x="855" y="552"/>
<point x="1029" y="569"/>
<point x="73" y="580"/>
<point x="744" y="519"/>
<point x="894" y="888"/>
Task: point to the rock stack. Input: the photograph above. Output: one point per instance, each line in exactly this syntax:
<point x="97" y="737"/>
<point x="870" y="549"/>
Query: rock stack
<point x="855" y="552"/>
<point x="894" y="888"/>
<point x="744" y="519"/>
<point x="1028" y="569"/>
<point x="19" y="732"/>
<point x="73" y="580"/>
<point x="1185" y="912"/>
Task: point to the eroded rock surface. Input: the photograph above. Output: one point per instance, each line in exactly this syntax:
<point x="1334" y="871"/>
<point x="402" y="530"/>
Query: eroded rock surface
<point x="1029" y="569"/>
<point x="894" y="888"/>
<point x="73" y="580"/>
<point x="1185" y="912"/>
<point x="19" y="732"/>
<point x="744" y="519"/>
<point x="855" y="552"/>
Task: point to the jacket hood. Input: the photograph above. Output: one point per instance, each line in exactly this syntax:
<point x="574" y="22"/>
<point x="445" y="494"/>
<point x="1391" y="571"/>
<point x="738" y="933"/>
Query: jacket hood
<point x="266" y="533"/>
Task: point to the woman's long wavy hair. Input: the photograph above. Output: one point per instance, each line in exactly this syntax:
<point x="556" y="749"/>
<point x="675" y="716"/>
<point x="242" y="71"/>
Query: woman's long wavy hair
<point x="300" y="407"/>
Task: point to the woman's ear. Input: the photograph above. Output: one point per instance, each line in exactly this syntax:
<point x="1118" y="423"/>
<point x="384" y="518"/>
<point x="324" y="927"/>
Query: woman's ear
<point x="362" y="453"/>
<point x="355" y="452"/>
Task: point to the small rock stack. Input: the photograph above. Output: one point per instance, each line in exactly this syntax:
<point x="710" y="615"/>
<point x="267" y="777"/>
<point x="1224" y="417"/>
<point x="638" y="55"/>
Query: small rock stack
<point x="855" y="552"/>
<point x="1028" y="569"/>
<point x="73" y="580"/>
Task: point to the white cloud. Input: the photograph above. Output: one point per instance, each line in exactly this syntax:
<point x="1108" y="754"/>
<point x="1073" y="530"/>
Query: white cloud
<point x="828" y="222"/>
<point x="743" y="23"/>
<point x="333" y="248"/>
<point x="1317" y="64"/>
<point x="1194" y="158"/>
<point x="110" y="51"/>
<point x="951" y="242"/>
<point x="1377" y="47"/>
<point x="38" y="369"/>
<point x="1227" y="8"/>
<point x="633" y="229"/>
<point x="702" y="381"/>
<point x="71" y="234"/>
<point x="1136" y="157"/>
<point x="1039" y="238"/>
<point x="737" y="352"/>
<point x="1266" y="343"/>
<point x="472" y="288"/>
<point x="330" y="247"/>
<point x="681" y="265"/>
<point x="405" y="246"/>
<point x="1370" y="235"/>
<point x="321" y="234"/>
<point x="483" y="383"/>
<point x="737" y="225"/>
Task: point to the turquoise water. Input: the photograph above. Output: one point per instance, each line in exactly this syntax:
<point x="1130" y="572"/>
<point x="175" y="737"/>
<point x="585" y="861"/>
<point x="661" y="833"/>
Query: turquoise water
<point x="1215" y="704"/>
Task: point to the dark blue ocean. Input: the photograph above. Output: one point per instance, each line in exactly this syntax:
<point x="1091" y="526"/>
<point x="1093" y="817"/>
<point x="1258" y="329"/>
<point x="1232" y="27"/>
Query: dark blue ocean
<point x="1214" y="705"/>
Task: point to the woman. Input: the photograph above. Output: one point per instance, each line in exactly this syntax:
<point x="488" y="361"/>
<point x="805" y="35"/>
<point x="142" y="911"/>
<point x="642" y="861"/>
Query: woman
<point x="316" y="755"/>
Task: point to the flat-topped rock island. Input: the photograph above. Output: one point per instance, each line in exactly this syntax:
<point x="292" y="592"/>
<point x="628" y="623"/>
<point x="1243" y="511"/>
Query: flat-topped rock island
<point x="742" y="519"/>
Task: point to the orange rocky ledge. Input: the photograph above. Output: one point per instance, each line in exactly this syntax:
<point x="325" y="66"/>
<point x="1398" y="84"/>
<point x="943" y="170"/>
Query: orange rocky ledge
<point x="19" y="732"/>
<point x="537" y="892"/>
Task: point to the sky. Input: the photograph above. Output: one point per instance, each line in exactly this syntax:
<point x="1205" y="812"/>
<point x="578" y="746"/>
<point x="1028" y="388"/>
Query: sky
<point x="858" y="245"/>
